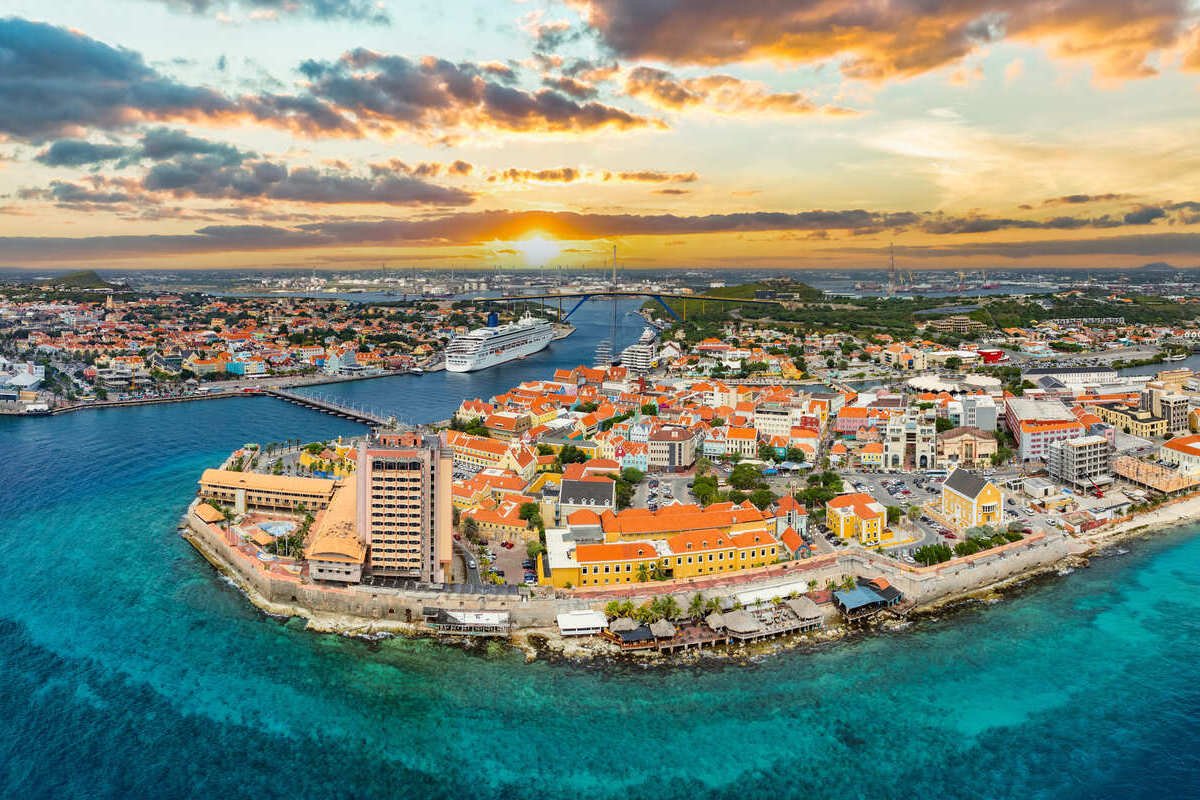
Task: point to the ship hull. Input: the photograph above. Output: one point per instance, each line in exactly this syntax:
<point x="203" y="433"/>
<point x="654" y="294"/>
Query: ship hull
<point x="478" y="361"/>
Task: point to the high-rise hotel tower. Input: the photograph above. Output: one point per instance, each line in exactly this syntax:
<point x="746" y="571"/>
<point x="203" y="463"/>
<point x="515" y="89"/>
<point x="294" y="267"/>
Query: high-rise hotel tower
<point x="404" y="512"/>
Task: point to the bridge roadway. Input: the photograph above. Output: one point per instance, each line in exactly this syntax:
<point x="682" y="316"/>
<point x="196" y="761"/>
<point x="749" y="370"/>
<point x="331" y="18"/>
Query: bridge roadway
<point x="631" y="293"/>
<point x="329" y="407"/>
<point x="661" y="297"/>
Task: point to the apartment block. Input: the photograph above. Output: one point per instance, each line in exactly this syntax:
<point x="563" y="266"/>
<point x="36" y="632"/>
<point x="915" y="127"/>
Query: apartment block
<point x="1083" y="462"/>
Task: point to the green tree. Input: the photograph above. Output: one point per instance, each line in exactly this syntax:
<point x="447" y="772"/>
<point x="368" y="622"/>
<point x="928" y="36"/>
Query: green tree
<point x="696" y="606"/>
<point x="470" y="529"/>
<point x="632" y="475"/>
<point x="762" y="497"/>
<point x="893" y="514"/>
<point x="745" y="476"/>
<point x="531" y="514"/>
<point x="705" y="489"/>
<point x="649" y="410"/>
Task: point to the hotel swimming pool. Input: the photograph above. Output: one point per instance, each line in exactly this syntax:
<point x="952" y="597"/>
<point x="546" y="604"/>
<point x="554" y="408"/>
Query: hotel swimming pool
<point x="278" y="527"/>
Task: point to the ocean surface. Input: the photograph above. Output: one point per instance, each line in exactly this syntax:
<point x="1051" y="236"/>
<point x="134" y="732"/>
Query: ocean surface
<point x="129" y="669"/>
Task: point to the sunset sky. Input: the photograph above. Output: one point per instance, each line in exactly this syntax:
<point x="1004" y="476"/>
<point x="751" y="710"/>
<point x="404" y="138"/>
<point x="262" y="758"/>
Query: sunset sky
<point x="695" y="133"/>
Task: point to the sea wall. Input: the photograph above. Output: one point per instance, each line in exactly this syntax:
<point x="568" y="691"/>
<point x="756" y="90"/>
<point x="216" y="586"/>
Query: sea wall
<point x="282" y="595"/>
<point x="920" y="585"/>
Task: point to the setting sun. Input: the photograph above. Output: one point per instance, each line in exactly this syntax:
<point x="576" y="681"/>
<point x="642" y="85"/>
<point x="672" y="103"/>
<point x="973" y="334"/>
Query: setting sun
<point x="537" y="249"/>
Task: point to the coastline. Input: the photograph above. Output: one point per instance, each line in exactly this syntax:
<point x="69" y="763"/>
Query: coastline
<point x="543" y="642"/>
<point x="249" y="390"/>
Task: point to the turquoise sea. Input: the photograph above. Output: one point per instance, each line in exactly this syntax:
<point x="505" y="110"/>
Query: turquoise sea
<point x="128" y="669"/>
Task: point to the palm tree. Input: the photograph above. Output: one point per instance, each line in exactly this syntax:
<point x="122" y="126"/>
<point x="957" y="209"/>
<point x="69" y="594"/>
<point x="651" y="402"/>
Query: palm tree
<point x="612" y="609"/>
<point x="670" y="608"/>
<point x="713" y="606"/>
<point x="646" y="613"/>
<point x="696" y="607"/>
<point x="643" y="573"/>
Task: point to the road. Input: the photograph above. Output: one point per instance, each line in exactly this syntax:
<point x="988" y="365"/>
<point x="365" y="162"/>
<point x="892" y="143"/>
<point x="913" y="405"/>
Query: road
<point x="463" y="558"/>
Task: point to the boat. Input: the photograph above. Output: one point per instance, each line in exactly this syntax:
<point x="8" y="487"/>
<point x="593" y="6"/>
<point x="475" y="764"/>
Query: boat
<point x="487" y="347"/>
<point x="416" y="371"/>
<point x="1176" y="357"/>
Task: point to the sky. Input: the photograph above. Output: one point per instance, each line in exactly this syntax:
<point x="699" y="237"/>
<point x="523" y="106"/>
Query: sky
<point x="968" y="134"/>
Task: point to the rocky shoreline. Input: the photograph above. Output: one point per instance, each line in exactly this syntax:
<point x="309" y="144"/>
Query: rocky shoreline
<point x="546" y="644"/>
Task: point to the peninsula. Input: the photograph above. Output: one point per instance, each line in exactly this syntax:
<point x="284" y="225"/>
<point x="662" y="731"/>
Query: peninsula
<point x="715" y="491"/>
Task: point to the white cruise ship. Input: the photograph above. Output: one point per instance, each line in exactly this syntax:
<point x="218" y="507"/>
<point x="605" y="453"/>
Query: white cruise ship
<point x="487" y="347"/>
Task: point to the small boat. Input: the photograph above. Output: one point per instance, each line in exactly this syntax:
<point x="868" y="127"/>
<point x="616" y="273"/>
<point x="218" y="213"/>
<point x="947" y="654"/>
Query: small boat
<point x="1176" y="357"/>
<point x="417" y="371"/>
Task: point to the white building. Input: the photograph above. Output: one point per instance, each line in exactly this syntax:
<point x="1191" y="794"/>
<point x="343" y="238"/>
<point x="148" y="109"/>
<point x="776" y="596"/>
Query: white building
<point x="1082" y="462"/>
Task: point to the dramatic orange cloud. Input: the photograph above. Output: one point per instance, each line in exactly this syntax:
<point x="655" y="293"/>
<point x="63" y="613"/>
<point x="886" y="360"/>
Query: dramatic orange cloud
<point x="879" y="40"/>
<point x="719" y="93"/>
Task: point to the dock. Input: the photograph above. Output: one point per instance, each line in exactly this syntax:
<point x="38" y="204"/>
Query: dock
<point x="325" y="406"/>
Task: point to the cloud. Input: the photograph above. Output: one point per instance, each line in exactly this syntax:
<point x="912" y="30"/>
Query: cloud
<point x="720" y="93"/>
<point x="92" y="191"/>
<point x="559" y="175"/>
<point x="1144" y="215"/>
<point x="203" y="176"/>
<point x="1151" y="244"/>
<point x="79" y="153"/>
<point x="653" y="176"/>
<point x="1076" y="199"/>
<point x="571" y="86"/>
<point x="367" y="11"/>
<point x="56" y="82"/>
<point x="472" y="228"/>
<point x="157" y="144"/>
<point x="59" y="83"/>
<point x="881" y="40"/>
<point x="388" y="94"/>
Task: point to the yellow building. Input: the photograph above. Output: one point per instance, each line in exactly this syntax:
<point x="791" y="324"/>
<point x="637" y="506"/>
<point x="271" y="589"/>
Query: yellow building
<point x="596" y="564"/>
<point x="857" y="516"/>
<point x="248" y="490"/>
<point x="686" y="555"/>
<point x="969" y="500"/>
<point x="335" y="550"/>
<point x="668" y="521"/>
<point x="1134" y="421"/>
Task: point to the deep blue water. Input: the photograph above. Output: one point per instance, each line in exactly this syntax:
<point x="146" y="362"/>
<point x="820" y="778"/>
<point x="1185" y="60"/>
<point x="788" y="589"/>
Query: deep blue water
<point x="128" y="669"/>
<point x="435" y="396"/>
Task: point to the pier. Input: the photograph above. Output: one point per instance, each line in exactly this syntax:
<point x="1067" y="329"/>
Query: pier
<point x="374" y="419"/>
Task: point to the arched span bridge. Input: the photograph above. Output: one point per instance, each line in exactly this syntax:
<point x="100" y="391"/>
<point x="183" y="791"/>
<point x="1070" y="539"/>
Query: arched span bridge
<point x="661" y="297"/>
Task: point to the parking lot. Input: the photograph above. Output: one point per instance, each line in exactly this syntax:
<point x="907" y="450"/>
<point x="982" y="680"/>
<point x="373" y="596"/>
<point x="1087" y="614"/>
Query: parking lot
<point x="658" y="490"/>
<point x="513" y="562"/>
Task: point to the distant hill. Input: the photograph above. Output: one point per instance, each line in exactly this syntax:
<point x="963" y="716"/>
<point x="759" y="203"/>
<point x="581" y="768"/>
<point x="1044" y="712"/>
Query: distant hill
<point x="82" y="279"/>
<point x="1158" y="266"/>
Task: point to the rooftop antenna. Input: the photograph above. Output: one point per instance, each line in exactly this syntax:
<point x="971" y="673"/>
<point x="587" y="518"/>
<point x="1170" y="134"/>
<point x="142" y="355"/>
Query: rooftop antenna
<point x="891" y="288"/>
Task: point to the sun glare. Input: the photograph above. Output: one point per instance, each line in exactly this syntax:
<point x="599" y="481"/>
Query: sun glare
<point x="537" y="249"/>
